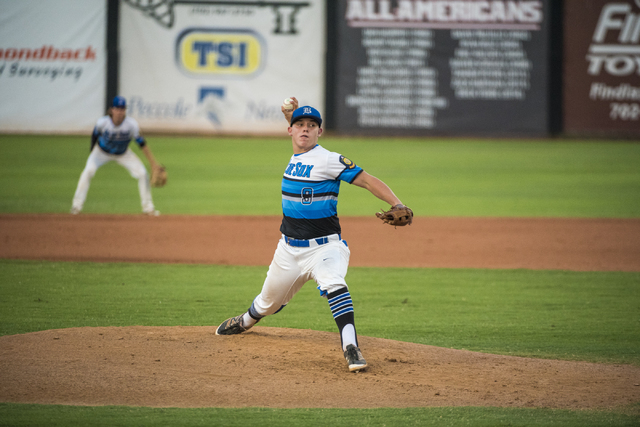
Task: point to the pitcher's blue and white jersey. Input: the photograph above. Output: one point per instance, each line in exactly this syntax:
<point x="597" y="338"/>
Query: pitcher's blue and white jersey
<point x="310" y="187"/>
<point x="115" y="139"/>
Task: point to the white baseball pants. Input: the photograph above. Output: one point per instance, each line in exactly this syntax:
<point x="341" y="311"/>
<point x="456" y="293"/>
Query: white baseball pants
<point x="292" y="267"/>
<point x="129" y="161"/>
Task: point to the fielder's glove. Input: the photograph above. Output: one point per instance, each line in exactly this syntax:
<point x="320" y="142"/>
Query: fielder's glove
<point x="398" y="215"/>
<point x="158" y="176"/>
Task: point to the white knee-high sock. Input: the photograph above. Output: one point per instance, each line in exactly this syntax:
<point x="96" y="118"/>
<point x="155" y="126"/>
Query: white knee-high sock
<point x="348" y="336"/>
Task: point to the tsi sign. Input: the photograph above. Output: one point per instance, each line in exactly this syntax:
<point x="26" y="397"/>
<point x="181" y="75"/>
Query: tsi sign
<point x="215" y="53"/>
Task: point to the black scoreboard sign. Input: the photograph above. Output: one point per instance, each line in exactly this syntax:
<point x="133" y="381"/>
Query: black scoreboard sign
<point x="441" y="67"/>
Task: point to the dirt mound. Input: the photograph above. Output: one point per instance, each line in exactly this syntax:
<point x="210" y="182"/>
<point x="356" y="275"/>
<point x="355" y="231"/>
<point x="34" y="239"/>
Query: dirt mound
<point x="287" y="368"/>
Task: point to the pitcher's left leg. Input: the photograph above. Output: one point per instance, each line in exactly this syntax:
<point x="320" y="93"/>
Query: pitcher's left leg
<point x="332" y="263"/>
<point x="342" y="309"/>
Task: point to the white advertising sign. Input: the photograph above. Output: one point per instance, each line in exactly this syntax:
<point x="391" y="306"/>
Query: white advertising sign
<point x="52" y="65"/>
<point x="207" y="66"/>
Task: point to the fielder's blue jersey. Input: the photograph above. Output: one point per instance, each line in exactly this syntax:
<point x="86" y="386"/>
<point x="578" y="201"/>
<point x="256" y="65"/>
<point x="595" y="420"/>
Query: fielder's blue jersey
<point x="310" y="187"/>
<point x="115" y="139"/>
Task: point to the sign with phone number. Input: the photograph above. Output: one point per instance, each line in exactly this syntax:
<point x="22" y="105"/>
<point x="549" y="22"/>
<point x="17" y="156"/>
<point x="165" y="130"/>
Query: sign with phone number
<point x="602" y="67"/>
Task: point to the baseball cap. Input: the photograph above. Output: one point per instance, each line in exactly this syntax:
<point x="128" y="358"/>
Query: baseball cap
<point x="119" y="102"/>
<point x="306" y="111"/>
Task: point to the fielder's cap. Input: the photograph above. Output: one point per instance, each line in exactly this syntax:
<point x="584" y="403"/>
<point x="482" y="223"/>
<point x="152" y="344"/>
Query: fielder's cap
<point x="119" y="102"/>
<point x="306" y="111"/>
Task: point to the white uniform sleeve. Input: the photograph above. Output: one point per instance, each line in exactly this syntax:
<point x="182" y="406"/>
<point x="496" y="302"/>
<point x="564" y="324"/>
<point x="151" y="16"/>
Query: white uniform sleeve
<point x="334" y="167"/>
<point x="101" y="123"/>
<point x="343" y="168"/>
<point x="135" y="128"/>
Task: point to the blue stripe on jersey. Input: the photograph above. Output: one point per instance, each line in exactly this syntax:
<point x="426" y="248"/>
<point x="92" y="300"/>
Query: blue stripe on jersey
<point x="113" y="146"/>
<point x="294" y="186"/>
<point x="295" y="209"/>
<point x="115" y="143"/>
<point x="349" y="175"/>
<point x="309" y="199"/>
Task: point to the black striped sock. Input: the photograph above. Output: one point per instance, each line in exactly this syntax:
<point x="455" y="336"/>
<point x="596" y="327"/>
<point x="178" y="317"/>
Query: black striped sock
<point x="341" y="307"/>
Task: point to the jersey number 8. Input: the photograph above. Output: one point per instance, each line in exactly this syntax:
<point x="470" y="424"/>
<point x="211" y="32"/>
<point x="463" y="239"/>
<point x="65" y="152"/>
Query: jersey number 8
<point x="307" y="195"/>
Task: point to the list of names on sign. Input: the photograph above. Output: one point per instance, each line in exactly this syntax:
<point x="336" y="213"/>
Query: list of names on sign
<point x="441" y="66"/>
<point x="396" y="88"/>
<point x="490" y="64"/>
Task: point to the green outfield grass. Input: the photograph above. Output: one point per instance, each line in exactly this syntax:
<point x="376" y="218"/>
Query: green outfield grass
<point x="435" y="177"/>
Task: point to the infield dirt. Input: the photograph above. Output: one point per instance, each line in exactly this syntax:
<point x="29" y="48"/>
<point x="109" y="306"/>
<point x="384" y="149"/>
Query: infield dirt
<point x="286" y="368"/>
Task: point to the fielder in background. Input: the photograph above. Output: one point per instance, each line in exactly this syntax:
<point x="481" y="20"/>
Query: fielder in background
<point x="311" y="246"/>
<point x="113" y="133"/>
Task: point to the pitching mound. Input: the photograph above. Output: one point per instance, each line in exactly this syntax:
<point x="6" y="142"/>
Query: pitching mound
<point x="287" y="368"/>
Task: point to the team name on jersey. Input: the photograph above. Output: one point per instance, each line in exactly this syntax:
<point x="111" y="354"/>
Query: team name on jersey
<point x="118" y="135"/>
<point x="299" y="170"/>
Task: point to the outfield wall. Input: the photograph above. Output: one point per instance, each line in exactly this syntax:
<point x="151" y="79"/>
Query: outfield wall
<point x="375" y="67"/>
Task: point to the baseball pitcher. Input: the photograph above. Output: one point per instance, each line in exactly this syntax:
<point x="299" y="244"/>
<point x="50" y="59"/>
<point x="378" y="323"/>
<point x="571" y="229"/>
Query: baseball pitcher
<point x="311" y="246"/>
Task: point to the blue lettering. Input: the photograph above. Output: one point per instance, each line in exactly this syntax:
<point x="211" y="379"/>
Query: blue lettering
<point x="203" y="49"/>
<point x="242" y="61"/>
<point x="298" y="169"/>
<point x="225" y="51"/>
<point x="177" y="109"/>
<point x="225" y="54"/>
